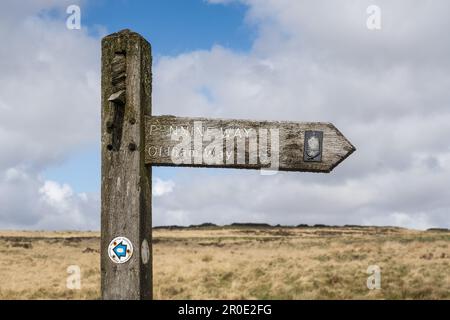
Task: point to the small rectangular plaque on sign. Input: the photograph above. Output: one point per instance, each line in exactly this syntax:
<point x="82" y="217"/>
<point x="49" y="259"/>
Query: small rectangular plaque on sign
<point x="313" y="146"/>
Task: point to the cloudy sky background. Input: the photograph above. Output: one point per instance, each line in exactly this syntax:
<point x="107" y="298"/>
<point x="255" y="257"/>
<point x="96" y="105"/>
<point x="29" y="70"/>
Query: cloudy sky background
<point x="387" y="90"/>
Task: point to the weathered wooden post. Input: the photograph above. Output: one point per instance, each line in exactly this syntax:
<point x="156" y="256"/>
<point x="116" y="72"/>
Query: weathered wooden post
<point x="126" y="260"/>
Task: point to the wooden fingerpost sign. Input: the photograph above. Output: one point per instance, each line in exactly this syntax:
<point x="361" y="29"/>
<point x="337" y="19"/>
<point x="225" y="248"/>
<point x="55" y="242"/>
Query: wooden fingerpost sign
<point x="133" y="140"/>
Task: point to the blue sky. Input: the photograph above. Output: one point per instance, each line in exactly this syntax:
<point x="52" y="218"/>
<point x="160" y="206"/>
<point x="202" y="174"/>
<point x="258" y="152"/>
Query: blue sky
<point x="173" y="27"/>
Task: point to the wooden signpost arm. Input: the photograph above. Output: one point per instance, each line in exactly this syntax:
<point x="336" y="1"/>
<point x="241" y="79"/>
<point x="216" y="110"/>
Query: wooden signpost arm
<point x="163" y="134"/>
<point x="126" y="179"/>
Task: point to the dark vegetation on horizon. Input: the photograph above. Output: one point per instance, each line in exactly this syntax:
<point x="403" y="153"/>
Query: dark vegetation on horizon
<point x="209" y="225"/>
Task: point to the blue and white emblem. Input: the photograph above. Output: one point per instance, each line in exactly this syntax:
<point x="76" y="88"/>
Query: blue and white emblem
<point x="120" y="250"/>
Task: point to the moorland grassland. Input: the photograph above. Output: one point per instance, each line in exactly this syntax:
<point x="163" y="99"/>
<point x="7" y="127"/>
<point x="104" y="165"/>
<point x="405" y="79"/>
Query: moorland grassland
<point x="241" y="263"/>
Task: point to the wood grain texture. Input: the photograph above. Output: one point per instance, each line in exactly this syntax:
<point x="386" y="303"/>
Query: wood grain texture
<point x="159" y="144"/>
<point x="126" y="180"/>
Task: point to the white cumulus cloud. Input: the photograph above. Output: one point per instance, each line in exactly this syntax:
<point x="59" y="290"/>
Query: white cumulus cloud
<point x="161" y="187"/>
<point x="49" y="105"/>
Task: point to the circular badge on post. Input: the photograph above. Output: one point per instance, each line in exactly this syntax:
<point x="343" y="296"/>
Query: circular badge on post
<point x="120" y="250"/>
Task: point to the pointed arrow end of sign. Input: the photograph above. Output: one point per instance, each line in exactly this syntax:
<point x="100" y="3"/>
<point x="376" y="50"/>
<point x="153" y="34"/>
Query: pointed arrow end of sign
<point x="347" y="149"/>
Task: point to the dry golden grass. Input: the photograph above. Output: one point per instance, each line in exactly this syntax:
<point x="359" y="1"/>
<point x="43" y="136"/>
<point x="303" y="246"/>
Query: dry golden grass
<point x="241" y="263"/>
